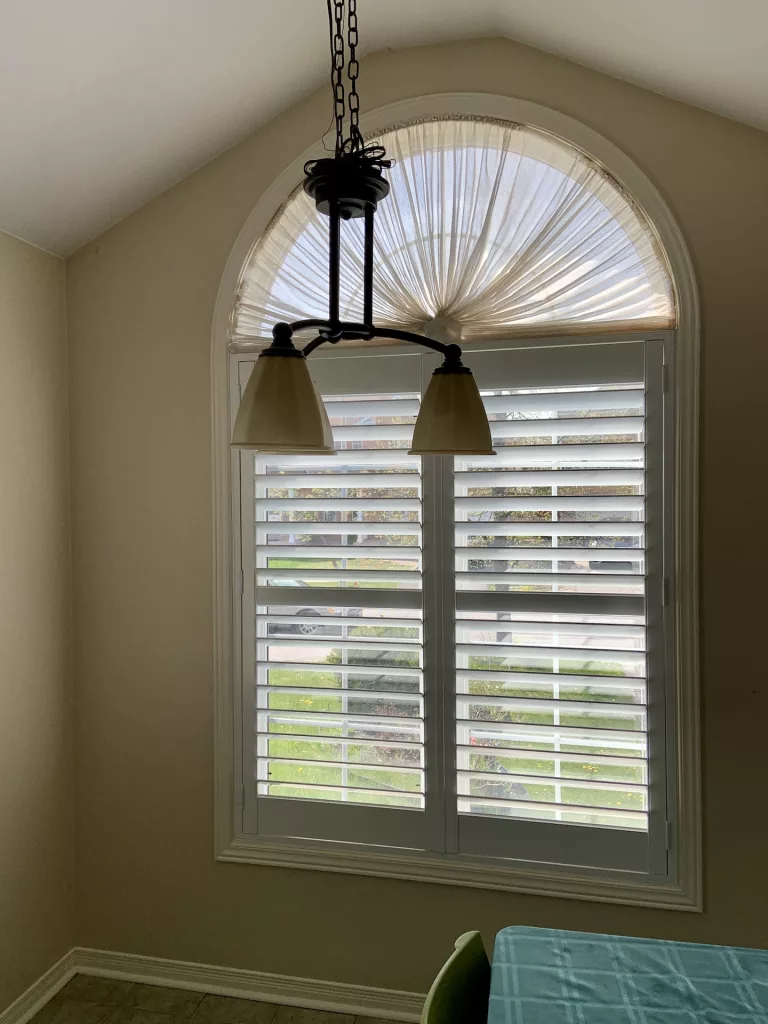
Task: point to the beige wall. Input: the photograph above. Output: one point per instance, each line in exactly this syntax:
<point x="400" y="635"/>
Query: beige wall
<point x="36" y="802"/>
<point x="141" y="300"/>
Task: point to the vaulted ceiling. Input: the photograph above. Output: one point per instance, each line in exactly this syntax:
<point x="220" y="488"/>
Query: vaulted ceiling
<point x="105" y="103"/>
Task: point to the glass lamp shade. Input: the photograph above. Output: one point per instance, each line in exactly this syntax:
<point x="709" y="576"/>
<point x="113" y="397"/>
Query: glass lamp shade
<point x="280" y="410"/>
<point x="452" y="419"/>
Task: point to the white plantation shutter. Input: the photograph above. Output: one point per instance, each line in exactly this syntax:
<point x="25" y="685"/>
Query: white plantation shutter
<point x="582" y="689"/>
<point x="551" y="588"/>
<point x="338" y="628"/>
<point x="465" y="657"/>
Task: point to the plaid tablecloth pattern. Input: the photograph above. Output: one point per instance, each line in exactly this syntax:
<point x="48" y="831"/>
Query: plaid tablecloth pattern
<point x="544" y="976"/>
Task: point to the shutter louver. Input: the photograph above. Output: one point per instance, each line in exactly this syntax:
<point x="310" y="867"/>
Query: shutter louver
<point x="551" y="705"/>
<point x="339" y="686"/>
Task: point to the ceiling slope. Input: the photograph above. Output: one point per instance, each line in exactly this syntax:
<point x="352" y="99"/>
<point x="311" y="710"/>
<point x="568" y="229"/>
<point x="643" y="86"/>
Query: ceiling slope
<point x="105" y="103"/>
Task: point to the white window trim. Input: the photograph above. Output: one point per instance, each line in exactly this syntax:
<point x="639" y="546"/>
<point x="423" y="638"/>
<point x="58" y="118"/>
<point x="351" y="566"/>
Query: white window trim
<point x="231" y="844"/>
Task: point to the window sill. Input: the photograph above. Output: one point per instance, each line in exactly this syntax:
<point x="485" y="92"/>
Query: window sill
<point x="532" y="879"/>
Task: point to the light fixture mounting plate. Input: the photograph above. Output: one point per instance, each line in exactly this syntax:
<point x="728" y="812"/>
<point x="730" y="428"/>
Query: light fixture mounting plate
<point x="352" y="183"/>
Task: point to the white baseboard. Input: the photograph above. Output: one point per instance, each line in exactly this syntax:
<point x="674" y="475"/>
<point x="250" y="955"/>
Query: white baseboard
<point x="388" y="1004"/>
<point x="40" y="992"/>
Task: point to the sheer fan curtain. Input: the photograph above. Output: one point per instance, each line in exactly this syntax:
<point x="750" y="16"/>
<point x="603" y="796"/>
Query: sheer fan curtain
<point x="499" y="227"/>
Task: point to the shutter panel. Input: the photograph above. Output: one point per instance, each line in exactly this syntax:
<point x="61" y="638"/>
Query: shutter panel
<point x="551" y="702"/>
<point x="339" y="683"/>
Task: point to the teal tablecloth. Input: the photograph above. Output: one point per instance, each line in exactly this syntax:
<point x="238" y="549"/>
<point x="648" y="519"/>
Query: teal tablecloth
<point x="543" y="976"/>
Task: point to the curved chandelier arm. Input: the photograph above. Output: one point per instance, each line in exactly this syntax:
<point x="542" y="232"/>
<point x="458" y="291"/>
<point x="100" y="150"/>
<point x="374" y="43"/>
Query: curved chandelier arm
<point x="352" y="331"/>
<point x="304" y="325"/>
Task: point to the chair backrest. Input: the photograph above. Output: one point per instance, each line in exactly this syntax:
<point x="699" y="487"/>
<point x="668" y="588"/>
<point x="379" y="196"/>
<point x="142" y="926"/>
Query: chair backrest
<point x="459" y="994"/>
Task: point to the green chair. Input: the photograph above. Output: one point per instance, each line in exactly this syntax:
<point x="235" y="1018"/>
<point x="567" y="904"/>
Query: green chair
<point x="459" y="994"/>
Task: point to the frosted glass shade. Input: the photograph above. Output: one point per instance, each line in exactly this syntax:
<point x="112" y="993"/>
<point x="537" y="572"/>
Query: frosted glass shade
<point x="280" y="410"/>
<point x="452" y="419"/>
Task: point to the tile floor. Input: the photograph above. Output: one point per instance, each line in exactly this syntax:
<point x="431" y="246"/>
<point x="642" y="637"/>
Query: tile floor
<point x="87" y="1000"/>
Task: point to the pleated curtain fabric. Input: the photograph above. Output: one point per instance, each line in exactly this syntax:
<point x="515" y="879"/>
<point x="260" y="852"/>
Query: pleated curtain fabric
<point x="500" y="227"/>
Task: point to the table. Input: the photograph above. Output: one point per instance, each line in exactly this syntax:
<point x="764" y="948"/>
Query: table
<point x="544" y="976"/>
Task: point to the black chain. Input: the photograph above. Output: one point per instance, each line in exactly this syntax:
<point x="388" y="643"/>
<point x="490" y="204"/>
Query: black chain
<point x="336" y="15"/>
<point x="343" y="104"/>
<point x="353" y="70"/>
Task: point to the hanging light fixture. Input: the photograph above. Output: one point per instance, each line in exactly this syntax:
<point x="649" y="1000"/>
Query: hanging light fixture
<point x="281" y="410"/>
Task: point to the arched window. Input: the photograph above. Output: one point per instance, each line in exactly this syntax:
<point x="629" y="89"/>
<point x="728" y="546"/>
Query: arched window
<point x="504" y="229"/>
<point x="470" y="669"/>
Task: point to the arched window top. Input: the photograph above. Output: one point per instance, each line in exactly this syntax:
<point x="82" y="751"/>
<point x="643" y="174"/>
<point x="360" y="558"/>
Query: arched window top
<point x="504" y="228"/>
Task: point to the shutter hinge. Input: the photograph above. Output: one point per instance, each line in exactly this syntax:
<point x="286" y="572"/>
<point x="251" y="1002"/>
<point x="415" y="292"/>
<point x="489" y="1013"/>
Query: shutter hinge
<point x="242" y="582"/>
<point x="669" y="835"/>
<point x="664" y="378"/>
<point x="665" y="591"/>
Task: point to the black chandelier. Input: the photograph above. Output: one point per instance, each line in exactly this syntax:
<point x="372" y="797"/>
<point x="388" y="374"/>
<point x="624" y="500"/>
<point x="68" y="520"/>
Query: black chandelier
<point x="281" y="410"/>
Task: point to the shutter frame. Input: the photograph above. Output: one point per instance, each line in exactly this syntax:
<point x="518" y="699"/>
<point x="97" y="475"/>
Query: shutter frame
<point x="626" y="604"/>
